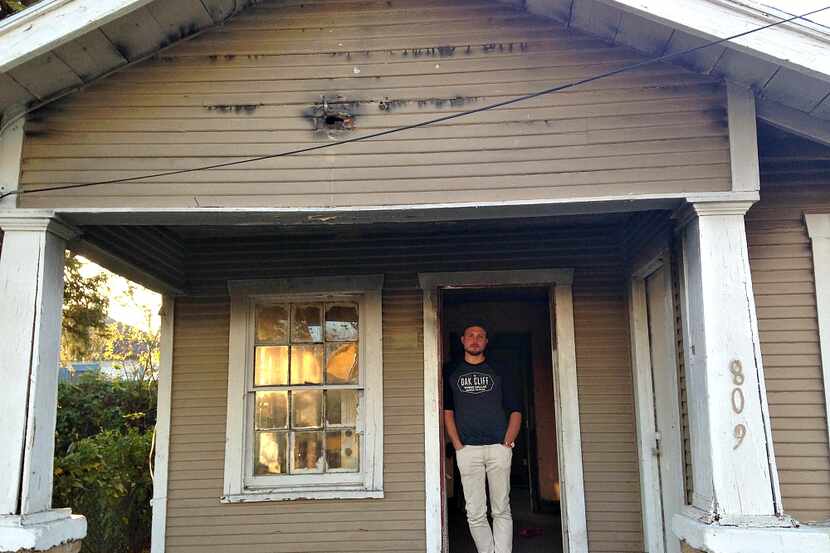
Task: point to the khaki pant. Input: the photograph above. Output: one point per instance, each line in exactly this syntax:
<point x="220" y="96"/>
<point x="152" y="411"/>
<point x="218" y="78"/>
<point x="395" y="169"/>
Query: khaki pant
<point x="475" y="462"/>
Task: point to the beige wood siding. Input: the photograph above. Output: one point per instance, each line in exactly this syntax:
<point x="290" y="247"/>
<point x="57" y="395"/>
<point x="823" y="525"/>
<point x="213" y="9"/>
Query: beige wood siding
<point x="248" y="88"/>
<point x="196" y="519"/>
<point x="794" y="178"/>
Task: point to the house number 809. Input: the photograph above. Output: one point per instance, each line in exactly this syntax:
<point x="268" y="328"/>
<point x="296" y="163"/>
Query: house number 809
<point x="738" y="401"/>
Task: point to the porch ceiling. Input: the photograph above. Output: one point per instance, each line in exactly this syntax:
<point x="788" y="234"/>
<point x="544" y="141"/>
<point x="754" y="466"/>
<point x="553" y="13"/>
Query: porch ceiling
<point x="156" y="255"/>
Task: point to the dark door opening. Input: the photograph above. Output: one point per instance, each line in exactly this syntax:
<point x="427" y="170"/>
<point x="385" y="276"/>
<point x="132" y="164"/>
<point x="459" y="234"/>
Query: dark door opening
<point x="518" y="321"/>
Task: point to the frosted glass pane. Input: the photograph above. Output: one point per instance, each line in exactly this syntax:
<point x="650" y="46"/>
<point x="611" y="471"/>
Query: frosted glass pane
<point x="341" y="322"/>
<point x="270" y="453"/>
<point x="307" y="409"/>
<point x="271" y="410"/>
<point x="341" y="363"/>
<point x="308" y="452"/>
<point x="306" y="322"/>
<point x="307" y="364"/>
<point x="342" y="451"/>
<point x="341" y="407"/>
<point x="271" y="366"/>
<point x="272" y="323"/>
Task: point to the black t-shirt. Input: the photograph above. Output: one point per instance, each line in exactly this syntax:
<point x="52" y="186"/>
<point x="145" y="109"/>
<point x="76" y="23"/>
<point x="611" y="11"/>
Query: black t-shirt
<point x="481" y="398"/>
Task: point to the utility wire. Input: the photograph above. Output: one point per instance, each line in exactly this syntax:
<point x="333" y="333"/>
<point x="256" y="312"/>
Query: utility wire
<point x="516" y="100"/>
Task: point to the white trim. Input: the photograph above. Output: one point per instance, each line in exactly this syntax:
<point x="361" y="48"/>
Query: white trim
<point x="472" y="279"/>
<point x="447" y="211"/>
<point x="743" y="138"/>
<point x="368" y="483"/>
<point x="162" y="441"/>
<point x="569" y="435"/>
<point x="818" y="228"/>
<point x="566" y="397"/>
<point x="26" y="37"/>
<point x="749" y="539"/>
<point x="647" y="441"/>
<point x="733" y="462"/>
<point x="790" y="45"/>
<point x="11" y="156"/>
<point x="31" y="295"/>
<point x="433" y="448"/>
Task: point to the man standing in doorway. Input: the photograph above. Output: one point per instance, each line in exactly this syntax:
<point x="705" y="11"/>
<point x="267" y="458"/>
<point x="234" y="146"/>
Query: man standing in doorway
<point x="482" y="416"/>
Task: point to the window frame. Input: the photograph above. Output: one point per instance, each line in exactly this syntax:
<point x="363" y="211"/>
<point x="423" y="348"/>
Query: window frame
<point x="240" y="485"/>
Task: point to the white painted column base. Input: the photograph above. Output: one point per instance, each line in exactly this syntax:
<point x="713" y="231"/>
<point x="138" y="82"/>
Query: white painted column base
<point x="40" y="531"/>
<point x="718" y="538"/>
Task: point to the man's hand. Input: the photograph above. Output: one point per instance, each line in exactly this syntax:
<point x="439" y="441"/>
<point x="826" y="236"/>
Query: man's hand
<point x="452" y="431"/>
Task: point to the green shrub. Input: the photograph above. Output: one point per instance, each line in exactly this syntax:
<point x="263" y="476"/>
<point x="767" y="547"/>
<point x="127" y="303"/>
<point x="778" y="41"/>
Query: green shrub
<point x="103" y="440"/>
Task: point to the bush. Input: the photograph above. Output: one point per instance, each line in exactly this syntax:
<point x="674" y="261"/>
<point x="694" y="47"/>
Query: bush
<point x="102" y="447"/>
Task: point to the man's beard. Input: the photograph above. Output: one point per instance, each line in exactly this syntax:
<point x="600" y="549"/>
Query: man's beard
<point x="471" y="352"/>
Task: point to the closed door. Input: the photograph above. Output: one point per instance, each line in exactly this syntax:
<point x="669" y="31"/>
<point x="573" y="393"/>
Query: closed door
<point x="666" y="399"/>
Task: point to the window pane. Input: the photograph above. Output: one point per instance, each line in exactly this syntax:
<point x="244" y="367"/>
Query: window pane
<point x="306" y="322"/>
<point x="341" y="322"/>
<point x="272" y="323"/>
<point x="307" y="364"/>
<point x="271" y="410"/>
<point x="271" y="366"/>
<point x="342" y="451"/>
<point x="341" y="363"/>
<point x="269" y="453"/>
<point x="341" y="407"/>
<point x="307" y="409"/>
<point x="308" y="452"/>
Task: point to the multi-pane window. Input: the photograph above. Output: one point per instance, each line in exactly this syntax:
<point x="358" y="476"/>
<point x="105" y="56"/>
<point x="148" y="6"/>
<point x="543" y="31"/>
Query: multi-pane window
<point x="306" y="387"/>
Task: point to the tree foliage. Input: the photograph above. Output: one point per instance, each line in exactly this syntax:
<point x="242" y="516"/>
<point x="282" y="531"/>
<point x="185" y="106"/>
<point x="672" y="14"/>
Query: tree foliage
<point x="11" y="7"/>
<point x="102" y="449"/>
<point x="85" y="304"/>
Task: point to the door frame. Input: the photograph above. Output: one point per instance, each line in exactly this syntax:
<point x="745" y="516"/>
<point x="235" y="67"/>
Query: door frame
<point x="653" y="492"/>
<point x="566" y="397"/>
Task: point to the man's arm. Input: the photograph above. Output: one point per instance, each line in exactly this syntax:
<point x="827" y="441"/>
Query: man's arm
<point x="452" y="431"/>
<point x="513" y="427"/>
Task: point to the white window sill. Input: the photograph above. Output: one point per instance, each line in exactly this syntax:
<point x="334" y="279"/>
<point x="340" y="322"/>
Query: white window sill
<point x="291" y="495"/>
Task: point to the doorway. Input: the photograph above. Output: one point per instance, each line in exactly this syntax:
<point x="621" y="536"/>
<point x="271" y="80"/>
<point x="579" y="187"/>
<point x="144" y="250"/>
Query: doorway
<point x="565" y="397"/>
<point x="518" y="325"/>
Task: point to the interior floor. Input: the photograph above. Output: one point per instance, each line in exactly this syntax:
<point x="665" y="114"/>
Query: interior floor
<point x="532" y="532"/>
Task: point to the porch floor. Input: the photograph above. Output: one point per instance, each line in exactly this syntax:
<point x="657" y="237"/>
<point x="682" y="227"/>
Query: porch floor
<point x="546" y="526"/>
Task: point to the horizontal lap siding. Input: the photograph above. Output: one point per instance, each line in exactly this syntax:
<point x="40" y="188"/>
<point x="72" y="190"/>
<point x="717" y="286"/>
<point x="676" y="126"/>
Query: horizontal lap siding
<point x="783" y="280"/>
<point x="248" y="88"/>
<point x="196" y="519"/>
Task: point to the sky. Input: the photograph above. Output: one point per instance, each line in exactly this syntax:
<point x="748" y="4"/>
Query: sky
<point x="122" y="308"/>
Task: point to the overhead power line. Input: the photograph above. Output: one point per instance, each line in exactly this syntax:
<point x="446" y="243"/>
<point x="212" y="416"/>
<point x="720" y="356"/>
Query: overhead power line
<point x="450" y="117"/>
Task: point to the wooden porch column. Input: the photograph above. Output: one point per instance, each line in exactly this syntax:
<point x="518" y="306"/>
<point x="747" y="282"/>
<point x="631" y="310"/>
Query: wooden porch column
<point x="733" y="466"/>
<point x="732" y="459"/>
<point x="31" y="300"/>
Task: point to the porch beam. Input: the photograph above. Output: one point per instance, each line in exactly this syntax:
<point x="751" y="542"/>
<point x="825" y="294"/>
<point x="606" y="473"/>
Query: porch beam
<point x="31" y="300"/>
<point x="733" y="466"/>
<point x="11" y="154"/>
<point x="743" y="138"/>
<point x="818" y="228"/>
